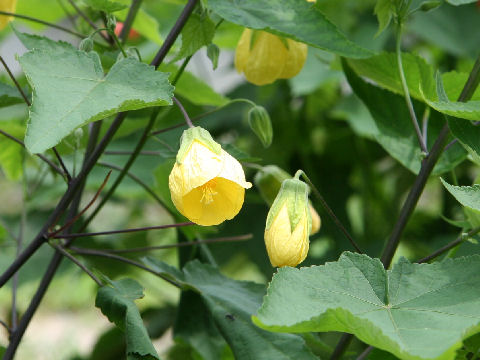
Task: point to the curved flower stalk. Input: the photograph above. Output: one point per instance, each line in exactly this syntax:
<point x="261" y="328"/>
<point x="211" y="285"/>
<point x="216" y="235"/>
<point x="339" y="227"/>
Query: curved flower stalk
<point x="264" y="57"/>
<point x="8" y="6"/>
<point x="288" y="225"/>
<point x="207" y="185"/>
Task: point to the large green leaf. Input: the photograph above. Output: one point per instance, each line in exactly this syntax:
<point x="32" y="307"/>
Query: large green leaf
<point x="32" y="41"/>
<point x="415" y="311"/>
<point x="197" y="32"/>
<point x="466" y="110"/>
<point x="70" y="90"/>
<point x="231" y="304"/>
<point x="394" y="130"/>
<point x="299" y="20"/>
<point x="117" y="303"/>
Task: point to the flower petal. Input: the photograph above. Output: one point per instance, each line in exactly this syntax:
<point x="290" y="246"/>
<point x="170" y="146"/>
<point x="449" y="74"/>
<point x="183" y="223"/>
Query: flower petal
<point x="232" y="170"/>
<point x="297" y="54"/>
<point x="243" y="50"/>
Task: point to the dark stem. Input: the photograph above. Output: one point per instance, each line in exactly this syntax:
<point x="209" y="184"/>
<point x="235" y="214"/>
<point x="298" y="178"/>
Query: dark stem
<point x="124" y="231"/>
<point x="4" y="324"/>
<point x="62" y="164"/>
<point x="29" y="18"/>
<point x="342" y="345"/>
<point x="365" y="353"/>
<point x="184" y="112"/>
<point x="17" y="85"/>
<point x="78" y="263"/>
<point x="91" y="252"/>
<point x="136" y="179"/>
<point x="48" y="161"/>
<point x="332" y="214"/>
<point x="127" y="24"/>
<point x="190" y="243"/>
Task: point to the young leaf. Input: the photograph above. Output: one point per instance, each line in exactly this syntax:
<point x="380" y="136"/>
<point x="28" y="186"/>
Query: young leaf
<point x="9" y="95"/>
<point x="70" y="90"/>
<point x="117" y="303"/>
<point x="295" y="19"/>
<point x="384" y="12"/>
<point x="197" y="32"/>
<point x="231" y="304"/>
<point x="415" y="311"/>
<point x="468" y="196"/>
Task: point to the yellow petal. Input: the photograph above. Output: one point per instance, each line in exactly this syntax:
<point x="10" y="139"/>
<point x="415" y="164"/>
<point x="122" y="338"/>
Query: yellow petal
<point x="266" y="59"/>
<point x="214" y="202"/>
<point x="233" y="171"/>
<point x="8" y="6"/>
<point x="316" y="221"/>
<point x="285" y="248"/>
<point x="243" y="50"/>
<point x="297" y="54"/>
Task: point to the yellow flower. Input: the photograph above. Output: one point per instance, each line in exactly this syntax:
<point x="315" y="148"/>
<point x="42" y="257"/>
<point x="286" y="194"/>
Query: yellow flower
<point x="207" y="185"/>
<point x="265" y="57"/>
<point x="288" y="225"/>
<point x="8" y="6"/>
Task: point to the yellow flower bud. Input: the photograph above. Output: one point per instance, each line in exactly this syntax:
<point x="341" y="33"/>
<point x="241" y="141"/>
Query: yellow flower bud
<point x="207" y="185"/>
<point x="265" y="57"/>
<point x="316" y="221"/>
<point x="288" y="225"/>
<point x="8" y="6"/>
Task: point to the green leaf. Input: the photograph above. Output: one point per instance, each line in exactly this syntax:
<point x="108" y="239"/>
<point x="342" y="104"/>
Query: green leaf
<point x="383" y="69"/>
<point x="194" y="89"/>
<point x="231" y="304"/>
<point x="9" y="95"/>
<point x="415" y="311"/>
<point x="460" y="2"/>
<point x="298" y="20"/>
<point x="117" y="303"/>
<point x="384" y="12"/>
<point x="468" y="196"/>
<point x="70" y="90"/>
<point x="197" y="32"/>
<point x="105" y="5"/>
<point x="31" y="42"/>
<point x="394" y="130"/>
<point x="469" y="110"/>
<point x="468" y="135"/>
<point x="11" y="156"/>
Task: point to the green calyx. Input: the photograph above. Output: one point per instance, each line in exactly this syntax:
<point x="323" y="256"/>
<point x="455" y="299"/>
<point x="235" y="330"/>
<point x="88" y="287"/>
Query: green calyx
<point x="196" y="134"/>
<point x="294" y="194"/>
<point x="269" y="180"/>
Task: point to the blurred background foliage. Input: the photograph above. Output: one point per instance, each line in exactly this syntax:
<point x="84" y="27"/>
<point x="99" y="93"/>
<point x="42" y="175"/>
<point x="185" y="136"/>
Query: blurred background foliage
<point x="319" y="126"/>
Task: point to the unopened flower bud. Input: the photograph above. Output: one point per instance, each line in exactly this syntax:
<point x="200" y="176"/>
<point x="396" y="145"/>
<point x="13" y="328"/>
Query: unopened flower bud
<point x="86" y="45"/>
<point x="260" y="123"/>
<point x="111" y="22"/>
<point x="288" y="225"/>
<point x="213" y="52"/>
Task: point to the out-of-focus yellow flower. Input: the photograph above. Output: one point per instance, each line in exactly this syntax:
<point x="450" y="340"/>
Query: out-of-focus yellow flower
<point x="8" y="6"/>
<point x="207" y="185"/>
<point x="316" y="221"/>
<point x="265" y="57"/>
<point x="288" y="225"/>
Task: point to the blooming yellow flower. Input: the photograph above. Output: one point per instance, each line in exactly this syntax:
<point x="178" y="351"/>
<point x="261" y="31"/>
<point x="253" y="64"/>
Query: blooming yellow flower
<point x="207" y="185"/>
<point x="9" y="6"/>
<point x="265" y="57"/>
<point x="288" y="225"/>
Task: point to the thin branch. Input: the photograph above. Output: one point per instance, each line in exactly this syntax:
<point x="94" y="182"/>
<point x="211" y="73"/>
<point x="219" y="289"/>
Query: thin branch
<point x="76" y="262"/>
<point x="365" y="353"/>
<point x="411" y="110"/>
<point x="190" y="243"/>
<point x="62" y="164"/>
<point x="75" y="218"/>
<point x="342" y="345"/>
<point x="29" y="18"/>
<point x="91" y="252"/>
<point x="87" y="19"/>
<point x="184" y="112"/>
<point x="4" y="324"/>
<point x="136" y="179"/>
<point x="425" y="117"/>
<point x="124" y="231"/>
<point x="332" y="214"/>
<point x="20" y="142"/>
<point x="127" y="24"/>
<point x="17" y="85"/>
